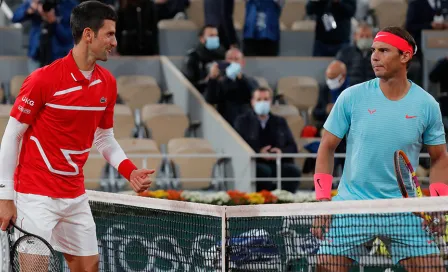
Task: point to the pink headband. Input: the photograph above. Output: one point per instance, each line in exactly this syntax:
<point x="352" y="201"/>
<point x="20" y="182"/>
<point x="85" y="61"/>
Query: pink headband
<point x="395" y="41"/>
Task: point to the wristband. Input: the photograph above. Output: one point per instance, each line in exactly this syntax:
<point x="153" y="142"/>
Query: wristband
<point x="125" y="168"/>
<point x="438" y="189"/>
<point x="322" y="185"/>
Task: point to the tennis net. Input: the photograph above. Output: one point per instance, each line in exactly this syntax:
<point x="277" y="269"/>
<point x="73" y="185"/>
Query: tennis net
<point x="144" y="234"/>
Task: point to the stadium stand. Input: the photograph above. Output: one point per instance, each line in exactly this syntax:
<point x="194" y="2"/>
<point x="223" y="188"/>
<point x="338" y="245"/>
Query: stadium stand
<point x="164" y="123"/>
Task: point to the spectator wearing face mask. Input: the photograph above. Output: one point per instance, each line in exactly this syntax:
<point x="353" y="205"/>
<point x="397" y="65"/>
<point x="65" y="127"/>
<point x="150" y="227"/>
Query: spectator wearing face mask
<point x="356" y="57"/>
<point x="336" y="82"/>
<point x="228" y="87"/>
<point x="199" y="59"/>
<point x="268" y="133"/>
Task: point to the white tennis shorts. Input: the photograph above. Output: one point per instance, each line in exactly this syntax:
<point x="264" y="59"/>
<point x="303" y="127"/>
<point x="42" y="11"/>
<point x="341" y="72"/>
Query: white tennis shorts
<point x="67" y="224"/>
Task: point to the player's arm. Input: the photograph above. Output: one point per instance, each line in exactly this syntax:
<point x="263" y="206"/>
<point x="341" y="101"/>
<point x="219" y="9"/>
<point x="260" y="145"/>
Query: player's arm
<point x="111" y="150"/>
<point x="27" y="106"/>
<point x="25" y="109"/>
<point x="9" y="152"/>
<point x="434" y="139"/>
<point x="336" y="126"/>
<point x="438" y="176"/>
<point x="8" y="159"/>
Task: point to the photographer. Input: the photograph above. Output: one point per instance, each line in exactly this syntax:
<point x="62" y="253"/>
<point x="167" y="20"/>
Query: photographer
<point x="333" y="25"/>
<point x="50" y="36"/>
<point x="228" y="87"/>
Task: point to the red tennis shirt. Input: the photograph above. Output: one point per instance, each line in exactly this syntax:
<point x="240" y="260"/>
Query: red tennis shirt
<point x="63" y="110"/>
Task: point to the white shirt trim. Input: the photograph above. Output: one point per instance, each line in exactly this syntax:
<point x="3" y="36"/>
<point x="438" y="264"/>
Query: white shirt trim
<point x="81" y="108"/>
<point x="74" y="89"/>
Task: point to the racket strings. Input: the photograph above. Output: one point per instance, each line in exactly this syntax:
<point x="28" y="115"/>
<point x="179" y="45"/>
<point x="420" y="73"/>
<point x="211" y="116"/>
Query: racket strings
<point x="407" y="178"/>
<point x="33" y="255"/>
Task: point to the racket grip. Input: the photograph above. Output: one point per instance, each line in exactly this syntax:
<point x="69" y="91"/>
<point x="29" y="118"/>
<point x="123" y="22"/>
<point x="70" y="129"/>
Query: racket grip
<point x="443" y="247"/>
<point x="322" y="185"/>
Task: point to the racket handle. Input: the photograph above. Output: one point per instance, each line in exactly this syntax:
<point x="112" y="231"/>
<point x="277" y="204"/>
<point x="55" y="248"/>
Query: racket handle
<point x="427" y="217"/>
<point x="440" y="240"/>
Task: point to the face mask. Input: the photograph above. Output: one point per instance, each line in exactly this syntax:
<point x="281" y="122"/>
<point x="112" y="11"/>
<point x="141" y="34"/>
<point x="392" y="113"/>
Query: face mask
<point x="212" y="43"/>
<point x="233" y="70"/>
<point x="262" y="107"/>
<point x="364" y="43"/>
<point x="335" y="83"/>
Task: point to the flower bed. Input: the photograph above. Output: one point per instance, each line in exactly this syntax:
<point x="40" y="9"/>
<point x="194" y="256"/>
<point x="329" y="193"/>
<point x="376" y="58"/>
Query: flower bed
<point x="233" y="197"/>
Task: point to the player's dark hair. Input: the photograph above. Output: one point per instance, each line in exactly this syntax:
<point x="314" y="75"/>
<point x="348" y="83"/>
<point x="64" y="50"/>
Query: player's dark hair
<point x="90" y="14"/>
<point x="402" y="33"/>
<point x="202" y="30"/>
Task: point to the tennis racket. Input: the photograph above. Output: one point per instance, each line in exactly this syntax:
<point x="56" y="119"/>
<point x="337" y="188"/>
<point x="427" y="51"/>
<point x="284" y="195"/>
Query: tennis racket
<point x="31" y="253"/>
<point x="410" y="187"/>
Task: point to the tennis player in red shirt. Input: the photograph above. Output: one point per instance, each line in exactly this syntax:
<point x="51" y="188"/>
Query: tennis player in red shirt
<point x="60" y="111"/>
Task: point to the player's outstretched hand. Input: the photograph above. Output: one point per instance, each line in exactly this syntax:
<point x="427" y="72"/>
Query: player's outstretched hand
<point x="320" y="226"/>
<point x="8" y="213"/>
<point x="140" y="180"/>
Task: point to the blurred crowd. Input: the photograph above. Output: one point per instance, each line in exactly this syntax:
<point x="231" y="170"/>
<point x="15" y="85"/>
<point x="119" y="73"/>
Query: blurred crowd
<point x="344" y="31"/>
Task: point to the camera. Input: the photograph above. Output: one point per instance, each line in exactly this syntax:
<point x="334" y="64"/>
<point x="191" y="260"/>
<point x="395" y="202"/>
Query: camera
<point x="48" y="5"/>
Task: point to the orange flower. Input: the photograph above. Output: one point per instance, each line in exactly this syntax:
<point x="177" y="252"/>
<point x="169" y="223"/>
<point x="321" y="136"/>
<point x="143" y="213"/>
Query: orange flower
<point x="268" y="197"/>
<point x="174" y="195"/>
<point x="237" y="197"/>
<point x="145" y="193"/>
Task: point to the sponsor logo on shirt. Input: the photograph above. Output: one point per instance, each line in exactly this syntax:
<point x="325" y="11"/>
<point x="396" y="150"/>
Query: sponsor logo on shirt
<point x="103" y="100"/>
<point x="2" y="185"/>
<point x="26" y="111"/>
<point x="28" y="101"/>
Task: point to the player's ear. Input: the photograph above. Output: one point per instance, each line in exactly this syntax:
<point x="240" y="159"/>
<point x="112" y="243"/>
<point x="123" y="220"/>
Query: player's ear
<point x="88" y="35"/>
<point x="406" y="57"/>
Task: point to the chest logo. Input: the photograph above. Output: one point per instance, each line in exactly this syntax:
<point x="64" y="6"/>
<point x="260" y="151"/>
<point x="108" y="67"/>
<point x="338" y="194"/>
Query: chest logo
<point x="371" y="111"/>
<point x="410" y="117"/>
<point x="103" y="100"/>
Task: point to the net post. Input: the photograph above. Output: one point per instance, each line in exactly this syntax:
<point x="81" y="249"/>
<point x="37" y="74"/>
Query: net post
<point x="223" y="239"/>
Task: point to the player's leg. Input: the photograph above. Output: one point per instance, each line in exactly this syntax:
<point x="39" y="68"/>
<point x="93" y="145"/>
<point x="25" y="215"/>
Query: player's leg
<point x="429" y="263"/>
<point x="331" y="263"/>
<point x="35" y="215"/>
<point x="413" y="247"/>
<point x="75" y="235"/>
<point x="82" y="263"/>
<point x="342" y="245"/>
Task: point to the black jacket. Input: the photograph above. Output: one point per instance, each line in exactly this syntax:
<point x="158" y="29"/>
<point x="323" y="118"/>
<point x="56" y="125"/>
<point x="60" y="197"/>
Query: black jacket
<point x="219" y="13"/>
<point x="231" y="97"/>
<point x="439" y="74"/>
<point x="342" y="12"/>
<point x="276" y="134"/>
<point x="420" y="16"/>
<point x="196" y="63"/>
<point x="359" y="67"/>
<point x="169" y="9"/>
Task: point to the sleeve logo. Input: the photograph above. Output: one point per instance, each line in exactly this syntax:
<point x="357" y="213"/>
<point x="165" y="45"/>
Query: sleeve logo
<point x="28" y="101"/>
<point x="22" y="109"/>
